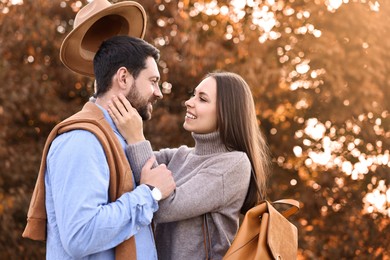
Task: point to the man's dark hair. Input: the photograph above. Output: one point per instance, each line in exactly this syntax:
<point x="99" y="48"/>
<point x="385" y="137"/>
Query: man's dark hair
<point x="121" y="51"/>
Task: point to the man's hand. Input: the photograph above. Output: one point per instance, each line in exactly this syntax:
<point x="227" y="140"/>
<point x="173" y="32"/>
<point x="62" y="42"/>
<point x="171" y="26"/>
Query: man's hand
<point x="159" y="177"/>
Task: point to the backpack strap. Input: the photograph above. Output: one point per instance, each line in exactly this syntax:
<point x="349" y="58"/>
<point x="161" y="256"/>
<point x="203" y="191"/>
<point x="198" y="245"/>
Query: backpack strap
<point x="206" y="237"/>
<point x="292" y="210"/>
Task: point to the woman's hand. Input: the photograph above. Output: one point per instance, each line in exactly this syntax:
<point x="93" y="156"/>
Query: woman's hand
<point x="126" y="119"/>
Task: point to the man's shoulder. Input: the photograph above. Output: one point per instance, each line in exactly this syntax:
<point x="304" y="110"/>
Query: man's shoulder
<point x="89" y="113"/>
<point x="77" y="136"/>
<point x="75" y="144"/>
<point x="90" y="118"/>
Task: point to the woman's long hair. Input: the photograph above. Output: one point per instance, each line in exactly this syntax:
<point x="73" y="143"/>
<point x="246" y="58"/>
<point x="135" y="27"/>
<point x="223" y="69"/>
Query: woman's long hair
<point x="239" y="131"/>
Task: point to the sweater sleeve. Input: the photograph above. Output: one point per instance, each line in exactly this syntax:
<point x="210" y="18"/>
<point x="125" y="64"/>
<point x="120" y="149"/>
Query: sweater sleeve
<point x="219" y="183"/>
<point x="140" y="152"/>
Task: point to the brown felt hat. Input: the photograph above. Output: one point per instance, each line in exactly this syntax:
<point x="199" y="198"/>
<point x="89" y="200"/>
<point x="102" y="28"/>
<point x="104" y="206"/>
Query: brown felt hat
<point x="96" y="22"/>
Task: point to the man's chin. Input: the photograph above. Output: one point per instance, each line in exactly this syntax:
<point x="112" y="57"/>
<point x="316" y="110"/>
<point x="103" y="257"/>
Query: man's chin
<point x="147" y="117"/>
<point x="149" y="111"/>
<point x="146" y="112"/>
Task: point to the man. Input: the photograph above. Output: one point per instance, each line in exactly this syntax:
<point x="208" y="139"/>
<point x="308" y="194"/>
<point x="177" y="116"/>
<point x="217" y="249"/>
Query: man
<point x="91" y="207"/>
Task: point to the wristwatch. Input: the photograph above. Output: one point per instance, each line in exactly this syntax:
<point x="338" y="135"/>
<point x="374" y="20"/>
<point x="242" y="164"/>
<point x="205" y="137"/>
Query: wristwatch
<point x="156" y="193"/>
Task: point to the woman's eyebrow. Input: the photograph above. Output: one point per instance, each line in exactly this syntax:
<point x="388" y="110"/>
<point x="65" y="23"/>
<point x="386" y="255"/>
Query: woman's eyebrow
<point x="200" y="93"/>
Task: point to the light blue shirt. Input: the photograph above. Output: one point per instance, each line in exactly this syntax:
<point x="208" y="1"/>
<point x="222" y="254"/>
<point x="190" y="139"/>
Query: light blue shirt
<point x="82" y="223"/>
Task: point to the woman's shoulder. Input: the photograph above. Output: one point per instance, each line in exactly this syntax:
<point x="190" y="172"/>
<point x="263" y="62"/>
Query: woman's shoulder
<point x="236" y="156"/>
<point x="231" y="161"/>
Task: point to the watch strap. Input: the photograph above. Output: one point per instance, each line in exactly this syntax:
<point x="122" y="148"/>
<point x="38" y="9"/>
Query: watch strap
<point x="150" y="186"/>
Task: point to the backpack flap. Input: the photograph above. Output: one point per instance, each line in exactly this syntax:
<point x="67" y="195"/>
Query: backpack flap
<point x="266" y="234"/>
<point x="245" y="244"/>
<point x="282" y="236"/>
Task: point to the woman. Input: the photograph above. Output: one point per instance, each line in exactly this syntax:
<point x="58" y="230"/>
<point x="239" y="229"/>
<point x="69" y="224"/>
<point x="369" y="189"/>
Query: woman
<point x="223" y="175"/>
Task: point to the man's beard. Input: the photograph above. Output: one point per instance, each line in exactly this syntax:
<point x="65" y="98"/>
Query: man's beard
<point x="140" y="104"/>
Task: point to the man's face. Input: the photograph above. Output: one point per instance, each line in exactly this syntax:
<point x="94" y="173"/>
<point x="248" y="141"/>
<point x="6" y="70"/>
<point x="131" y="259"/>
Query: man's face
<point x="145" y="90"/>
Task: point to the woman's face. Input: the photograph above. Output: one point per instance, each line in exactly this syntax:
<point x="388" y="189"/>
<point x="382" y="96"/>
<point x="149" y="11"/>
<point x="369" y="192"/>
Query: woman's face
<point x="201" y="116"/>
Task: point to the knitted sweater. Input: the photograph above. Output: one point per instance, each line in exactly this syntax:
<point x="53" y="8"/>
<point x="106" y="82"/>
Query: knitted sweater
<point x="211" y="182"/>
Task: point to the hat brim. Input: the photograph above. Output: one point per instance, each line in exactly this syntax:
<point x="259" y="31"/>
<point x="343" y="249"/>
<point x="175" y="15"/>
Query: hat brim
<point x="81" y="44"/>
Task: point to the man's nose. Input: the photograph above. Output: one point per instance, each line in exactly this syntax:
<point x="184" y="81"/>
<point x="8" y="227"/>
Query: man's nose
<point x="157" y="92"/>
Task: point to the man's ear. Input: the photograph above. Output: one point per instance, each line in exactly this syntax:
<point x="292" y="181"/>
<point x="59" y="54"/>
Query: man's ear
<point x="124" y="78"/>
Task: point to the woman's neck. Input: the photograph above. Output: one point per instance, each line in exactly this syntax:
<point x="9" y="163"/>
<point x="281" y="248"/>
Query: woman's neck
<point x="208" y="143"/>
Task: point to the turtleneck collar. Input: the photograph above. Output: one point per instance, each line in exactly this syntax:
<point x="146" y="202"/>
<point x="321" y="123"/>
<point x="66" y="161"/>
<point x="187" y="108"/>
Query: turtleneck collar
<point x="206" y="144"/>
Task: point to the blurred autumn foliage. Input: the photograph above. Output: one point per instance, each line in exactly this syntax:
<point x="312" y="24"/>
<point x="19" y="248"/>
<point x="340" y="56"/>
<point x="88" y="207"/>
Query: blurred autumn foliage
<point x="320" y="74"/>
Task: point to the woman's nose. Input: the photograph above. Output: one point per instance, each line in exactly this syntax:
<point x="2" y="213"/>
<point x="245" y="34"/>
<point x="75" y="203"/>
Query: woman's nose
<point x="188" y="103"/>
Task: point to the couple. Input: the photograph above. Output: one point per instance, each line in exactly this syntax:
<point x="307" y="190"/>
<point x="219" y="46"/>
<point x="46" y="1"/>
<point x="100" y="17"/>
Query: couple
<point x="88" y="203"/>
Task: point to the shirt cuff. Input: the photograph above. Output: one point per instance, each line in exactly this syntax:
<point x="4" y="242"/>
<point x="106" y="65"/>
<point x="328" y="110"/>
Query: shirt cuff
<point x="147" y="193"/>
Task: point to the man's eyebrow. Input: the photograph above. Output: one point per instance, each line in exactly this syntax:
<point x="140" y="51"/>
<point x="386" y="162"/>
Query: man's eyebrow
<point x="155" y="78"/>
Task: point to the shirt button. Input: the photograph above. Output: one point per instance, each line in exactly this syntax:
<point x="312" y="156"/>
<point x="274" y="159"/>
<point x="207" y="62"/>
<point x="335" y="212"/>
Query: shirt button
<point x="138" y="228"/>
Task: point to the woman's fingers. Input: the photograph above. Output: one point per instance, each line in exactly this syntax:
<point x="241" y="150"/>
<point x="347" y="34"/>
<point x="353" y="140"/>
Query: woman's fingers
<point x="125" y="102"/>
<point x="113" y="112"/>
<point x="131" y="111"/>
<point x="119" y="105"/>
<point x="126" y="119"/>
<point x="113" y="117"/>
<point x="122" y="111"/>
